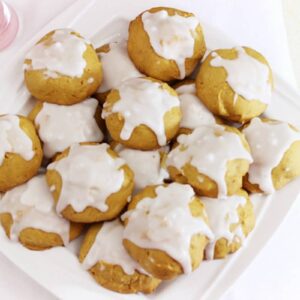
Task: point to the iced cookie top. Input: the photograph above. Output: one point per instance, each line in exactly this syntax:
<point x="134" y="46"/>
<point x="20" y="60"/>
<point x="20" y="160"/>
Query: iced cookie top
<point x="31" y="206"/>
<point x="108" y="247"/>
<point x="208" y="149"/>
<point x="117" y="66"/>
<point x="165" y="223"/>
<point x="246" y="75"/>
<point x="268" y="142"/>
<point x="143" y="101"/>
<point x="222" y="214"/>
<point x="194" y="112"/>
<point x="89" y="176"/>
<point x="13" y="139"/>
<point x="172" y="37"/>
<point x="61" y="126"/>
<point x="59" y="54"/>
<point x="146" y="166"/>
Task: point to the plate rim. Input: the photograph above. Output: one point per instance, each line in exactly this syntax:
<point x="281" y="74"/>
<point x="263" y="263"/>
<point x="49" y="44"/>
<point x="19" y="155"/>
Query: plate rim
<point x="67" y="17"/>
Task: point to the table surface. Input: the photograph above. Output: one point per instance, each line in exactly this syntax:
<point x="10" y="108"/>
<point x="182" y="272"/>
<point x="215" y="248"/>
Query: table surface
<point x="275" y="273"/>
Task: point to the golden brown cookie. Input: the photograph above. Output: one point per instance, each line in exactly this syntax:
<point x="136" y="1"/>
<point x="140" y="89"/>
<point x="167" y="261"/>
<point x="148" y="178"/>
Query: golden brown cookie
<point x="142" y="136"/>
<point x="37" y="239"/>
<point x="158" y="262"/>
<point x="15" y="169"/>
<point x="222" y="99"/>
<point x="115" y="202"/>
<point x="71" y="124"/>
<point x="231" y="219"/>
<point x="286" y="163"/>
<point x="149" y="62"/>
<point x="60" y="83"/>
<point x="27" y="215"/>
<point x="203" y="184"/>
<point x="111" y="275"/>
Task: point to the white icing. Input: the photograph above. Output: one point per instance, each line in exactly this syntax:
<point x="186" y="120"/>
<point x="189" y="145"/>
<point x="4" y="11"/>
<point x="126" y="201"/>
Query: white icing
<point x="222" y="213"/>
<point x="108" y="247"/>
<point x="194" y="112"/>
<point x="172" y="37"/>
<point x="13" y="139"/>
<point x="31" y="206"/>
<point x="117" y="66"/>
<point x="246" y="75"/>
<point x="146" y="166"/>
<point x="143" y="101"/>
<point x="209" y="148"/>
<point x="50" y="74"/>
<point x="62" y="53"/>
<point x="268" y="143"/>
<point x="90" y="80"/>
<point x="89" y="175"/>
<point x="165" y="223"/>
<point x="61" y="126"/>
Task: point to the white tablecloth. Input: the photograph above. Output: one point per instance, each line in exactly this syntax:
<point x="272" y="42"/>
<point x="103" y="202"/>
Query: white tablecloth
<point x="275" y="274"/>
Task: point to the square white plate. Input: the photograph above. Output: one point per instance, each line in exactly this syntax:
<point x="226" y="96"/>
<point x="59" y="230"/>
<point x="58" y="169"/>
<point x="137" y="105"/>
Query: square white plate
<point x="58" y="269"/>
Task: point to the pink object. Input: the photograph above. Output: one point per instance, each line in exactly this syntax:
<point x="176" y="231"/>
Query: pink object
<point x="9" y="25"/>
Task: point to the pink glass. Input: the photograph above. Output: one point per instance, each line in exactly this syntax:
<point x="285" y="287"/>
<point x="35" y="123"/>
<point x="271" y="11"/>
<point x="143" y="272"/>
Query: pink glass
<point x="9" y="25"/>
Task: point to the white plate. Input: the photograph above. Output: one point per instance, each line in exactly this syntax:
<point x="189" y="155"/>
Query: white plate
<point x="58" y="269"/>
